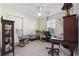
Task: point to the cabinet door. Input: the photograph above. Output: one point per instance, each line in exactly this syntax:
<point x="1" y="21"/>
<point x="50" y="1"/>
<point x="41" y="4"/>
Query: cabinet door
<point x="70" y="28"/>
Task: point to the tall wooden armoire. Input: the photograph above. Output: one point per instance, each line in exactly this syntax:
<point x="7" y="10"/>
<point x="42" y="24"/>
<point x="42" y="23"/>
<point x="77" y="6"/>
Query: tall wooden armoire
<point x="70" y="31"/>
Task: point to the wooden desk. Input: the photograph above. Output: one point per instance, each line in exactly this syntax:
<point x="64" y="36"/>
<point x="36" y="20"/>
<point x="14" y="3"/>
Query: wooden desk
<point x="59" y="41"/>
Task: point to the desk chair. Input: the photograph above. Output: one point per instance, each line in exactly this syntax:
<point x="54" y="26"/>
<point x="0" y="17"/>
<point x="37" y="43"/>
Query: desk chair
<point x="47" y="36"/>
<point x="52" y="49"/>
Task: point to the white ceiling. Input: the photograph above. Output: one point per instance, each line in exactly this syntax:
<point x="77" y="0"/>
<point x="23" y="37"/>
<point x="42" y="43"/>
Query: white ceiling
<point x="31" y="8"/>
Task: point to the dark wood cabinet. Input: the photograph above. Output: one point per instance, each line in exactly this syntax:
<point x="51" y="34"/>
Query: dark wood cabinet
<point x="7" y="36"/>
<point x="70" y="31"/>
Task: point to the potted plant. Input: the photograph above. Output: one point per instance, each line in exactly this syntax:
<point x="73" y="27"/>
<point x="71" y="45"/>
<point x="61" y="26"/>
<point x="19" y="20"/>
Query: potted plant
<point x="67" y="7"/>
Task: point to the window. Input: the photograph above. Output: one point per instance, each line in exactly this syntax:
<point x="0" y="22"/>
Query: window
<point x="18" y="21"/>
<point x="51" y="24"/>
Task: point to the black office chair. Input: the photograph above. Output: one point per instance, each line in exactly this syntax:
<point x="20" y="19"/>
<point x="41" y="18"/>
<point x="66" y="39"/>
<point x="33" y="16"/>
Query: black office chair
<point x="52" y="49"/>
<point x="47" y="36"/>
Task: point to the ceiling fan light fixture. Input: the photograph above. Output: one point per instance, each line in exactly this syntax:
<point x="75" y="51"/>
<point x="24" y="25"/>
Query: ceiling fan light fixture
<point x="39" y="14"/>
<point x="40" y="8"/>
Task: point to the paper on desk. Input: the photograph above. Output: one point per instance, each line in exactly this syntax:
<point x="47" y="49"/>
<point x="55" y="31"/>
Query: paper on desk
<point x="56" y="38"/>
<point x="53" y="37"/>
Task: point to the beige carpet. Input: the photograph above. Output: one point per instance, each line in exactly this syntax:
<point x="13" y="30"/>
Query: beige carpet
<point x="36" y="48"/>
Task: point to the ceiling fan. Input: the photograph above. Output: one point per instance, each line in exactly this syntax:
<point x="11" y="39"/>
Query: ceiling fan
<point x="41" y="11"/>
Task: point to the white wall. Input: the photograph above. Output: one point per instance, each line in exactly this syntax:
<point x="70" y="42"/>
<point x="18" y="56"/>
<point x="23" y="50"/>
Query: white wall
<point x="78" y="34"/>
<point x="42" y="24"/>
<point x="0" y="26"/>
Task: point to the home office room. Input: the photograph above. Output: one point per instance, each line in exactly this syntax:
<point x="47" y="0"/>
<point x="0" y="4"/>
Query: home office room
<point x="39" y="29"/>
